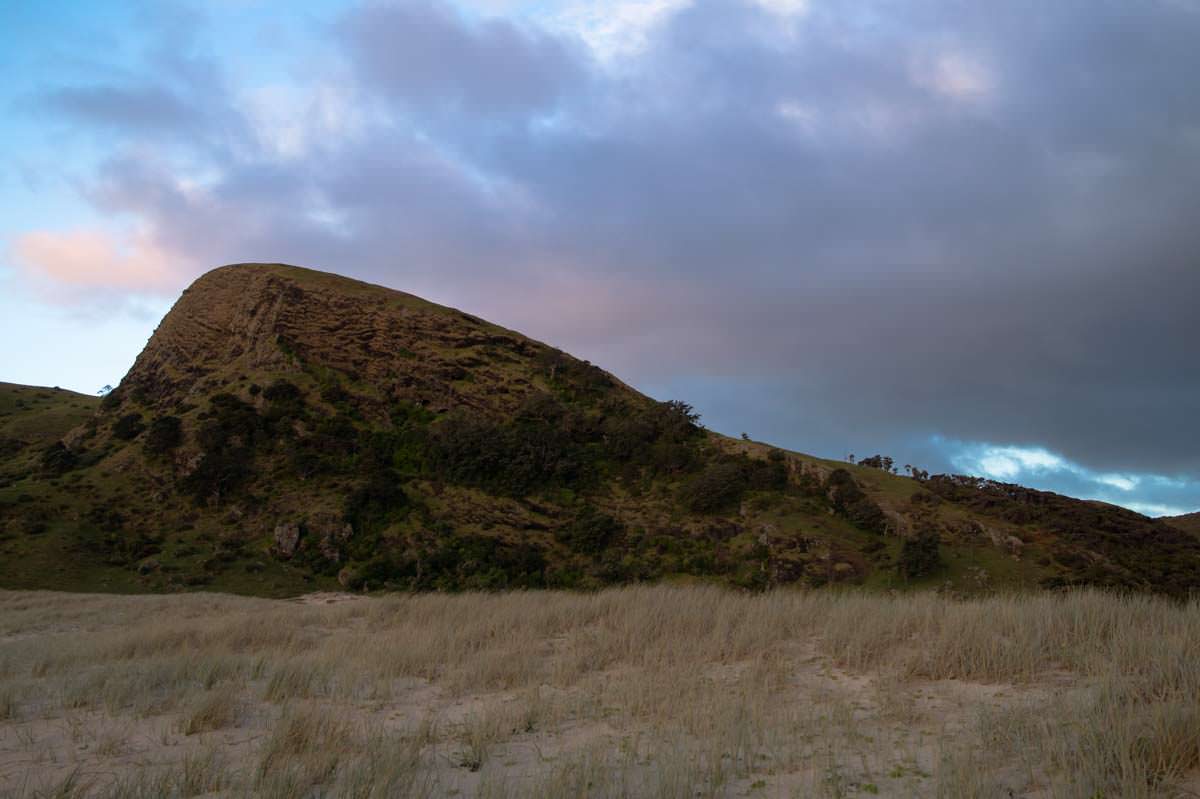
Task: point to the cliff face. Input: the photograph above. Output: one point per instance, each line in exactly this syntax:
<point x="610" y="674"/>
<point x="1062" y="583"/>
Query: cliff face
<point x="384" y="346"/>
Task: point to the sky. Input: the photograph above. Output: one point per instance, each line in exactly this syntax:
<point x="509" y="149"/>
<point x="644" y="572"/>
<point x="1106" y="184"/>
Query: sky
<point x="960" y="234"/>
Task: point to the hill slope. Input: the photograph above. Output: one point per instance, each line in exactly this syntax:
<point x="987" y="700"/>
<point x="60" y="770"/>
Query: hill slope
<point x="1188" y="521"/>
<point x="286" y="429"/>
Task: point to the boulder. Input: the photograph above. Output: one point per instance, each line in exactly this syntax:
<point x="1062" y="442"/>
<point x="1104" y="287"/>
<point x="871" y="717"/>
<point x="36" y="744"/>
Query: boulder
<point x="287" y="539"/>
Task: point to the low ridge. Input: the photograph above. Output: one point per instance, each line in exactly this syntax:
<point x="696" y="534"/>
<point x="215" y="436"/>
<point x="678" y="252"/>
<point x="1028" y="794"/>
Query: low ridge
<point x="1188" y="521"/>
<point x="286" y="429"/>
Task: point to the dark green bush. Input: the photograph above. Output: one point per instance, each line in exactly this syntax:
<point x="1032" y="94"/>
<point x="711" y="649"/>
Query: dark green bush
<point x="228" y="422"/>
<point x="165" y="434"/>
<point x="219" y="473"/>
<point x="575" y="380"/>
<point x="919" y="555"/>
<point x="849" y="500"/>
<point x="514" y="458"/>
<point x="719" y="487"/>
<point x="590" y="532"/>
<point x="285" y="403"/>
<point x="129" y="427"/>
<point x="372" y="506"/>
<point x="57" y="459"/>
<point x="228" y="434"/>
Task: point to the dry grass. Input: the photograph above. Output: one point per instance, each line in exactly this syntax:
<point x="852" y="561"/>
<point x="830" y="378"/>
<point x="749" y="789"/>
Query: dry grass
<point x="631" y="692"/>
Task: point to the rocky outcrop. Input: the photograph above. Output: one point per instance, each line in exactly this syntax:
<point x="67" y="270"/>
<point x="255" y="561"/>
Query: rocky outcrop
<point x="287" y="540"/>
<point x="326" y="531"/>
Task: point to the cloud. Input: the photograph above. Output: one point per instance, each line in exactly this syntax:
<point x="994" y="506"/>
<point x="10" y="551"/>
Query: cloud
<point x="426" y="57"/>
<point x="619" y="29"/>
<point x="75" y="263"/>
<point x="289" y="122"/>
<point x="144" y="108"/>
<point x="1157" y="495"/>
<point x="1156" y="509"/>
<point x="900" y="220"/>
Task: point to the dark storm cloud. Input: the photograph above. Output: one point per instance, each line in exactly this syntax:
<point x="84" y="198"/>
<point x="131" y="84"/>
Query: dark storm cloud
<point x="424" y="56"/>
<point x="900" y="221"/>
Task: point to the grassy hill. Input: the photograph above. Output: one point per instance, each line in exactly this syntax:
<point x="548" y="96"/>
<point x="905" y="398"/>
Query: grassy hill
<point x="1189" y="522"/>
<point x="31" y="416"/>
<point x="286" y="430"/>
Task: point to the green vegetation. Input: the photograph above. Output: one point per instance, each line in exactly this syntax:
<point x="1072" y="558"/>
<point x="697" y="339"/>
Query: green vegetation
<point x="363" y="438"/>
<point x="165" y="435"/>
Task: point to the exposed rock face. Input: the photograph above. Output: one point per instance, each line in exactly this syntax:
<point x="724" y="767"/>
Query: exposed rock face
<point x="287" y="539"/>
<point x="327" y="532"/>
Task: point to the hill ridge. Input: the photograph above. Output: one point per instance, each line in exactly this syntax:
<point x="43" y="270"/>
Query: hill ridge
<point x="286" y="429"/>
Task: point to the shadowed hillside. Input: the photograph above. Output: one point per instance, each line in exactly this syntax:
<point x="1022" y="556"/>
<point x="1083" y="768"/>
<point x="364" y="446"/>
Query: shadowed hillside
<point x="286" y="429"/>
<point x="1189" y="522"/>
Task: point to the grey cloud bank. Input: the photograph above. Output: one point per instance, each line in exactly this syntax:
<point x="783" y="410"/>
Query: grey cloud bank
<point x="853" y="229"/>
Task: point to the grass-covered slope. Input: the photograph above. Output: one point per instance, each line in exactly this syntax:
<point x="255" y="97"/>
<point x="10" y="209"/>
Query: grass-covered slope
<point x="32" y="416"/>
<point x="286" y="429"/>
<point x="1189" y="522"/>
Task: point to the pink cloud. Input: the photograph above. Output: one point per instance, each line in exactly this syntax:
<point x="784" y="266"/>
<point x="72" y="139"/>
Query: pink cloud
<point x="66" y="263"/>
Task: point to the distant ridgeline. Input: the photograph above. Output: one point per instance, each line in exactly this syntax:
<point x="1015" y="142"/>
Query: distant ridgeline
<point x="286" y="430"/>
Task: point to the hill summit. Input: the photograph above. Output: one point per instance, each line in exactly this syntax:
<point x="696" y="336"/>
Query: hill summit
<point x="286" y="429"/>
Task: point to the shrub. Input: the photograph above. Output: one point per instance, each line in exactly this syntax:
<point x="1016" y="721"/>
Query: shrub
<point x="165" y="434"/>
<point x="849" y="500"/>
<point x="590" y="532"/>
<point x="574" y="379"/>
<point x="373" y="505"/>
<point x="219" y="473"/>
<point x="285" y="402"/>
<point x="228" y="435"/>
<point x="513" y="458"/>
<point x="229" y="421"/>
<point x="476" y="562"/>
<point x="919" y="555"/>
<point x="129" y="427"/>
<point x="718" y="487"/>
<point x="57" y="459"/>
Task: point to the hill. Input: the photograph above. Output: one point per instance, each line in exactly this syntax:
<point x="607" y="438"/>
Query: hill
<point x="286" y="430"/>
<point x="1188" y="521"/>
